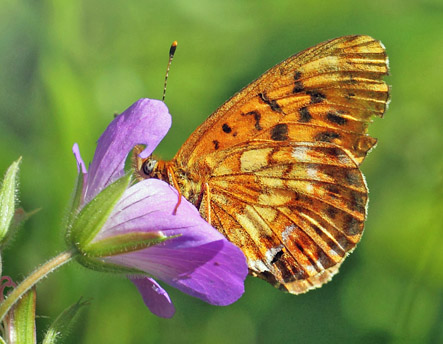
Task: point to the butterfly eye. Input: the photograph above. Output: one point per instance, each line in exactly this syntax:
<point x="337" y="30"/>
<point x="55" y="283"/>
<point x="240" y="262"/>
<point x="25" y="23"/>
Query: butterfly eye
<point x="148" y="166"/>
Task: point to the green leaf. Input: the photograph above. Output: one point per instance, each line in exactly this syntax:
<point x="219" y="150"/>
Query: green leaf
<point x="22" y="322"/>
<point x="60" y="327"/>
<point x="8" y="191"/>
<point x="93" y="216"/>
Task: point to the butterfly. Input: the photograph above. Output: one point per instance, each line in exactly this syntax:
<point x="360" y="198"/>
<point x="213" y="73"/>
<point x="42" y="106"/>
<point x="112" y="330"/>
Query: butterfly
<point x="276" y="168"/>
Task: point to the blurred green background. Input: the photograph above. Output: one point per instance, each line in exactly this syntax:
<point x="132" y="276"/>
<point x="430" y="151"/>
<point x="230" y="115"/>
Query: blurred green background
<point x="67" y="66"/>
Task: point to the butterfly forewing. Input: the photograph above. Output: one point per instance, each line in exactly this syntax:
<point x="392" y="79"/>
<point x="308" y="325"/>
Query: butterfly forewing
<point x="326" y="93"/>
<point x="275" y="168"/>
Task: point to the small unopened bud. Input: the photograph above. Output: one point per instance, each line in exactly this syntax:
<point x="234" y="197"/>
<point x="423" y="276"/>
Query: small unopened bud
<point x="8" y="193"/>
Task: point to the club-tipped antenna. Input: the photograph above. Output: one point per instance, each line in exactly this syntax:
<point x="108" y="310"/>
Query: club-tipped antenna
<point x="171" y="56"/>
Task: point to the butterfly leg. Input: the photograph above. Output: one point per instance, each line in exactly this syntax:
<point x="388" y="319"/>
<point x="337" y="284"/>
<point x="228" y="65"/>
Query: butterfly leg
<point x="174" y="182"/>
<point x="208" y="203"/>
<point x="207" y="214"/>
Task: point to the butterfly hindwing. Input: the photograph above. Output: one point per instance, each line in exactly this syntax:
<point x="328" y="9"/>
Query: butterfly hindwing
<point x="295" y="208"/>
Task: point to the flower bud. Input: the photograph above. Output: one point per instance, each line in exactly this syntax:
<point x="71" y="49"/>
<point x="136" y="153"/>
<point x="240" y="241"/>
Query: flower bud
<point x="8" y="193"/>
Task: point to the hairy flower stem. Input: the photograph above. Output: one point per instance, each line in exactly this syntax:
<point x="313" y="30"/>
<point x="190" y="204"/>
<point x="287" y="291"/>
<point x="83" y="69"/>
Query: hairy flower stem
<point x="33" y="279"/>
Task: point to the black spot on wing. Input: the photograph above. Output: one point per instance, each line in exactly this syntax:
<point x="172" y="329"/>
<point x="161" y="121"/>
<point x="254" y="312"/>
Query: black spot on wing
<point x="298" y="87"/>
<point x="316" y="96"/>
<point x="272" y="103"/>
<point x="226" y="128"/>
<point x="334" y="118"/>
<point x="216" y="144"/>
<point x="350" y="95"/>
<point x="276" y="257"/>
<point x="280" y="132"/>
<point x="290" y="273"/>
<point x="351" y="225"/>
<point x="327" y="136"/>
<point x="257" y="117"/>
<point x="305" y="116"/>
<point x="332" y="212"/>
<point x="357" y="202"/>
<point x="345" y="243"/>
<point x="333" y="152"/>
<point x="353" y="177"/>
<point x="333" y="190"/>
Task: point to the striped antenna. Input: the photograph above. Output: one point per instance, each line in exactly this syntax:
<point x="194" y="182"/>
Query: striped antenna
<point x="171" y="56"/>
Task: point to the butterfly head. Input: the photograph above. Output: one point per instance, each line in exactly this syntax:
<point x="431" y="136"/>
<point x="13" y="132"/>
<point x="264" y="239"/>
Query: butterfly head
<point x="148" y="167"/>
<point x="143" y="168"/>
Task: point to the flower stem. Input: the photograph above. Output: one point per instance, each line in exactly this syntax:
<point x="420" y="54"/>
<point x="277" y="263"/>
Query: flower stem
<point x="33" y="279"/>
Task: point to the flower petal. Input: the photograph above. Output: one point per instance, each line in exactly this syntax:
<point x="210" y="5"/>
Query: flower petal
<point x="81" y="183"/>
<point x="81" y="167"/>
<point x="214" y="272"/>
<point x="154" y="296"/>
<point x="145" y="122"/>
<point x="199" y="262"/>
<point x="220" y="281"/>
<point x="149" y="206"/>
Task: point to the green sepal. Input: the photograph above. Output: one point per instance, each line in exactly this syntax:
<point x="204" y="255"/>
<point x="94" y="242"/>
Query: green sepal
<point x="22" y="322"/>
<point x="98" y="264"/>
<point x="124" y="243"/>
<point x="8" y="193"/>
<point x="93" y="216"/>
<point x="93" y="254"/>
<point x="75" y="201"/>
<point x="61" y="325"/>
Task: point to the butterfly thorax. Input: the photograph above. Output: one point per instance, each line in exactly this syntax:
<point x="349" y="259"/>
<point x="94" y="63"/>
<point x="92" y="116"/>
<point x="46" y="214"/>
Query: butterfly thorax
<point x="170" y="172"/>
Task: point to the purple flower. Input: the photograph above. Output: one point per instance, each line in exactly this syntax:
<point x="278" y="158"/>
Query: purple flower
<point x="184" y="252"/>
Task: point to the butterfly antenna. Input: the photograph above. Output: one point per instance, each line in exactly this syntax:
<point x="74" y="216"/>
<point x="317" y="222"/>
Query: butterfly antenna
<point x="171" y="56"/>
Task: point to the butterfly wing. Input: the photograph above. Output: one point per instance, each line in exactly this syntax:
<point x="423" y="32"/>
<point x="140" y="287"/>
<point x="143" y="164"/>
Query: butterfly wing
<point x="279" y="161"/>
<point x="327" y="93"/>
<point x="296" y="209"/>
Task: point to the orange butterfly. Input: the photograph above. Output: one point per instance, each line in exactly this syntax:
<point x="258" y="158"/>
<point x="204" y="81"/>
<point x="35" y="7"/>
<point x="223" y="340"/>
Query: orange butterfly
<point x="276" y="167"/>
